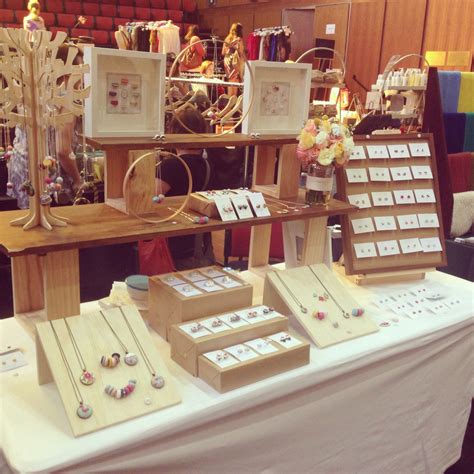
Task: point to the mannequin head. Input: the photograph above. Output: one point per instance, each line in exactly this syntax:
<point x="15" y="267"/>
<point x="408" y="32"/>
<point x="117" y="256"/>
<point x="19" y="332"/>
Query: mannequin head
<point x="34" y="8"/>
<point x="207" y="68"/>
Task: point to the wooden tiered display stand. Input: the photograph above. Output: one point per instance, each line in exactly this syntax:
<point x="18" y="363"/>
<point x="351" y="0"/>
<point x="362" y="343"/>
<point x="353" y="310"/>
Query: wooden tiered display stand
<point x="45" y="265"/>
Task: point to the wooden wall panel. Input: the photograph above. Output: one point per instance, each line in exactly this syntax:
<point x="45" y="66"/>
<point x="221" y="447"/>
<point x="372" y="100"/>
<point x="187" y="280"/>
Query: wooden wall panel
<point x="268" y="16"/>
<point x="243" y="16"/>
<point x="364" y="45"/>
<point x="403" y="30"/>
<point x="332" y="14"/>
<point x="449" y="25"/>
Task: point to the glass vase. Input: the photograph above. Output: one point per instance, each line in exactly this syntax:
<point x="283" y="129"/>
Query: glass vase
<point x="319" y="183"/>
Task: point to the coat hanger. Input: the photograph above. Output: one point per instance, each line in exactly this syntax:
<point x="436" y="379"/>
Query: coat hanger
<point x="237" y="107"/>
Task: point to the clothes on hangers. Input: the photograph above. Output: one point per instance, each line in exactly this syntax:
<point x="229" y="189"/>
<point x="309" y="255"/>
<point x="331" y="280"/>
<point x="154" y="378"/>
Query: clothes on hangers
<point x="269" y="44"/>
<point x="168" y="36"/>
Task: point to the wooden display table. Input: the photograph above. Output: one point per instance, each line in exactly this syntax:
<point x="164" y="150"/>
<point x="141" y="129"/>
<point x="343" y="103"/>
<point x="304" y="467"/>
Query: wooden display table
<point x="45" y="265"/>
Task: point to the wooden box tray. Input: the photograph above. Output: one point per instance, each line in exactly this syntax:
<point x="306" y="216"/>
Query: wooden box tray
<point x="185" y="349"/>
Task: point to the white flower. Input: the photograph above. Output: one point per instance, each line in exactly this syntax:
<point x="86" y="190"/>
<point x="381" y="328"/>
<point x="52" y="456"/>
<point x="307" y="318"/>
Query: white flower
<point x="336" y="130"/>
<point x="326" y="157"/>
<point x="321" y="139"/>
<point x="348" y="145"/>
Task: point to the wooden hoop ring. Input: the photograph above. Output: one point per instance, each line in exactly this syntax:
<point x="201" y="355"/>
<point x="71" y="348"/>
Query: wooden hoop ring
<point x="128" y="175"/>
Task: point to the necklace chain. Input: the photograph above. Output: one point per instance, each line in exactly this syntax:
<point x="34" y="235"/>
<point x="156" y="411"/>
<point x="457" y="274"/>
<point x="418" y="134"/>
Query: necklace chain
<point x="296" y="300"/>
<point x="76" y="347"/>
<point x="77" y="392"/>
<point x="344" y="313"/>
<point x="139" y="345"/>
<point x="114" y="333"/>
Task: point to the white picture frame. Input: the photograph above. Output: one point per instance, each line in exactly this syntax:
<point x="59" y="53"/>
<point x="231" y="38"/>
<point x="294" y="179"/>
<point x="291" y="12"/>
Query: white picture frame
<point x="281" y="93"/>
<point x="127" y="93"/>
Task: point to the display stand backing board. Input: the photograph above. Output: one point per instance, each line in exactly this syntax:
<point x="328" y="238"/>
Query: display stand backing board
<point x="304" y="285"/>
<point x="94" y="339"/>
<point x="391" y="144"/>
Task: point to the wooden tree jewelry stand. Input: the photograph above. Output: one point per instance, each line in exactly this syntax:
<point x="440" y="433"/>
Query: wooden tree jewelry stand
<point x="94" y="339"/>
<point x="30" y="70"/>
<point x="300" y="283"/>
<point x="404" y="266"/>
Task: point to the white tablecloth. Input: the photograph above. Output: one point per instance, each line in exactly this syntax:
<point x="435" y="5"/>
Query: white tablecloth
<point x="394" y="401"/>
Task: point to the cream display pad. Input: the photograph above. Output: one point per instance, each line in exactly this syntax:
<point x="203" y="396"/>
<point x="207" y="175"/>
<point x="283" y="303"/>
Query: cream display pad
<point x="301" y="285"/>
<point x="94" y="340"/>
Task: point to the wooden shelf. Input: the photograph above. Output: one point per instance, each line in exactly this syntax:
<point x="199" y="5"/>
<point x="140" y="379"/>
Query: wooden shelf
<point x="399" y="116"/>
<point x="189" y="141"/>
<point x="327" y="85"/>
<point x="98" y="224"/>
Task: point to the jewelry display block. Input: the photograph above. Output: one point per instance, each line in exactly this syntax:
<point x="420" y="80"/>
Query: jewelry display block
<point x="95" y="339"/>
<point x="401" y="191"/>
<point x="189" y="340"/>
<point x="301" y="289"/>
<point x="127" y="93"/>
<point x="172" y="304"/>
<point x="231" y="373"/>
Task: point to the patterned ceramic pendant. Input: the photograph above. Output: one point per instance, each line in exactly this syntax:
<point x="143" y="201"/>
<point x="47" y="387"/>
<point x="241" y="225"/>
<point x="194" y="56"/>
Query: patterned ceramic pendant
<point x="87" y="378"/>
<point x="131" y="358"/>
<point x="84" y="411"/>
<point x="157" y="381"/>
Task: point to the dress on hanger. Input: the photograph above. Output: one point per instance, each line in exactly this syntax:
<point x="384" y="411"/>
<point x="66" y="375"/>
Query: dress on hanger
<point x="168" y="36"/>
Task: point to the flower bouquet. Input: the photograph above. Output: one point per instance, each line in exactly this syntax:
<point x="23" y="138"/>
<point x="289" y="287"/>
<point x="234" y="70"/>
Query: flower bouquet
<point x="323" y="145"/>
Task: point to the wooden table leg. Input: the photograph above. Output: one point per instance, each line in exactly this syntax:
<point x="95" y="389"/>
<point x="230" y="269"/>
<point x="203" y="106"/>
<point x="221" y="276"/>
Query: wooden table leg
<point x="264" y="165"/>
<point x="27" y="282"/>
<point x="289" y="168"/>
<point x="314" y="240"/>
<point x="259" y="253"/>
<point x="116" y="165"/>
<point x="61" y="284"/>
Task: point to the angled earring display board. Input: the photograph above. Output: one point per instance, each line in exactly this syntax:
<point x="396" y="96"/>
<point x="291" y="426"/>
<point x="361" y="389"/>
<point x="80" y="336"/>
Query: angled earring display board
<point x="321" y="305"/>
<point x="393" y="180"/>
<point x="114" y="349"/>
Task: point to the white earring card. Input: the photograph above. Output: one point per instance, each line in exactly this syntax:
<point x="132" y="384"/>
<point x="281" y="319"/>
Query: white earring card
<point x="400" y="198"/>
<point x="127" y="95"/>
<point x="276" y="96"/>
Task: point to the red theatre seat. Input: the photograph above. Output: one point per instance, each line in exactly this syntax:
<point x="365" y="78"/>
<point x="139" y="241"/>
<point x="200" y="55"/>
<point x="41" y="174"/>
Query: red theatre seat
<point x="74" y="8"/>
<point x="49" y="19"/>
<point x="91" y="9"/>
<point x="129" y="3"/>
<point x="6" y="16"/>
<point x="109" y="10"/>
<point x="101" y="37"/>
<point x="55" y="6"/>
<point x="173" y="4"/>
<point x="104" y="23"/>
<point x="109" y="2"/>
<point x="64" y="19"/>
<point x="126" y="12"/>
<point x="142" y="3"/>
<point x="14" y="5"/>
<point x="80" y="32"/>
<point x="120" y="21"/>
<point x="158" y="14"/>
<point x="55" y="29"/>
<point x="158" y="4"/>
<point x="142" y="13"/>
<point x="175" y="15"/>
<point x="189" y="5"/>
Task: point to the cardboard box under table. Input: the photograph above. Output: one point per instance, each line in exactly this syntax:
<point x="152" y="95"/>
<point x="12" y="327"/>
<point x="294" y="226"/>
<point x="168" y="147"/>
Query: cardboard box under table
<point x="224" y="379"/>
<point x="167" y="306"/>
<point x="185" y="349"/>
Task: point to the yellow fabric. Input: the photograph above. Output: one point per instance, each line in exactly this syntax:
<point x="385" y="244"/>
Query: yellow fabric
<point x="466" y="93"/>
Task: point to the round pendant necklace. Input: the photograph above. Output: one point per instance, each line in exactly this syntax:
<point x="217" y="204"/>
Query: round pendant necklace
<point x="355" y="311"/>
<point x="84" y="411"/>
<point x="303" y="309"/>
<point x="86" y="378"/>
<point x="130" y="358"/>
<point x="157" y="381"/>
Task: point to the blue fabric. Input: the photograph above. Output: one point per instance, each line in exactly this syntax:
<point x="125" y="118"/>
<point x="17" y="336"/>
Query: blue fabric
<point x="449" y="84"/>
<point x="469" y="133"/>
<point x="454" y="126"/>
<point x="273" y="47"/>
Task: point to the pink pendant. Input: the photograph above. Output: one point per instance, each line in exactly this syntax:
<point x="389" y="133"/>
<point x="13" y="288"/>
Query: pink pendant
<point x="87" y="378"/>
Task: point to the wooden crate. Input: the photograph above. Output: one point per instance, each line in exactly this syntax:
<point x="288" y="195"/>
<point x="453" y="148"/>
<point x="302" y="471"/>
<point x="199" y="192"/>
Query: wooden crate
<point x="185" y="350"/>
<point x="166" y="306"/>
<point x="251" y="371"/>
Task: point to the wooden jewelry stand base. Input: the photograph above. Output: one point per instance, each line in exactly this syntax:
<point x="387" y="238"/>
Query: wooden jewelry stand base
<point x="95" y="339"/>
<point x="306" y="288"/>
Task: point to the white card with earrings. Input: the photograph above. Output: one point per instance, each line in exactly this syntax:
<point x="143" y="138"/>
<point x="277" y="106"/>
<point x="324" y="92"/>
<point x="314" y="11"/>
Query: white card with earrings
<point x="398" y="151"/>
<point x="262" y="346"/>
<point x="251" y="315"/>
<point x="419" y="149"/>
<point x="365" y="250"/>
<point x="193" y="275"/>
<point x="408" y="221"/>
<point x="356" y="175"/>
<point x="404" y="196"/>
<point x="377" y="151"/>
<point x="225" y="208"/>
<point x="209" y="286"/>
<point x="211" y="273"/>
<point x="425" y="196"/>
<point x="215" y="325"/>
<point x="241" y="352"/>
<point x="171" y="280"/>
<point x="360" y="200"/>
<point x="358" y="153"/>
<point x="382" y="198"/>
<point x="388" y="247"/>
<point x="227" y="282"/>
<point x="233" y="320"/>
<point x="285" y="340"/>
<point x="195" y="330"/>
<point x="422" y="172"/>
<point x="379" y="174"/>
<point x="221" y="358"/>
<point x="187" y="290"/>
<point x="385" y="223"/>
<point x="401" y="173"/>
<point x="242" y="206"/>
<point x="259" y="205"/>
<point x="431" y="244"/>
<point x="410" y="245"/>
<point x="428" y="221"/>
<point x="362" y="226"/>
